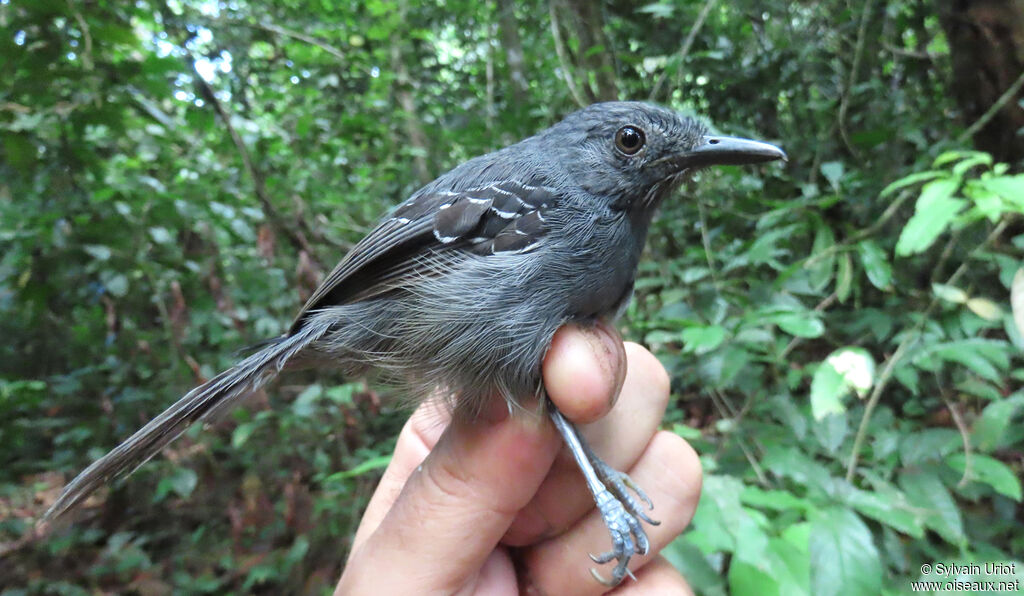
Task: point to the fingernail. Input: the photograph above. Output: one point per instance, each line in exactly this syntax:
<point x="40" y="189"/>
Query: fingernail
<point x="611" y="354"/>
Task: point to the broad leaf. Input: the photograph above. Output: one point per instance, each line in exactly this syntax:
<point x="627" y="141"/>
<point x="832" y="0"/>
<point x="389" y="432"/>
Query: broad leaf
<point x="936" y="208"/>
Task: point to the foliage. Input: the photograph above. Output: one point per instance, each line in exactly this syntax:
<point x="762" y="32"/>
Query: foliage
<point x="175" y="176"/>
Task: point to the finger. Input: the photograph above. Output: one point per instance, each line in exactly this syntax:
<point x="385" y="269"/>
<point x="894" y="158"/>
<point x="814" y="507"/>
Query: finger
<point x="455" y="506"/>
<point x="419" y="435"/>
<point x="670" y="472"/>
<point x="584" y="369"/>
<point x="619" y="438"/>
<point x="656" y="577"/>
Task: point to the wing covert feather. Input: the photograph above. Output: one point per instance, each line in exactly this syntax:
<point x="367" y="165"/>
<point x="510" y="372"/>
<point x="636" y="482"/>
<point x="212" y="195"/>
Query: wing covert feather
<point x="499" y="217"/>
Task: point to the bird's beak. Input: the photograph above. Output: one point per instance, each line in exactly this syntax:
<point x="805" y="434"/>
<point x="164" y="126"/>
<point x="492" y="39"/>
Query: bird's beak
<point x="727" y="151"/>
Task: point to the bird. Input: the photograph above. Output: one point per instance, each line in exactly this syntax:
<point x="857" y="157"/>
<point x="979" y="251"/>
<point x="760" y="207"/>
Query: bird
<point x="459" y="290"/>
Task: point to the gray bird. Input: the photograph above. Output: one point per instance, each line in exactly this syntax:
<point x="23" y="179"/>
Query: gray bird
<point x="462" y="287"/>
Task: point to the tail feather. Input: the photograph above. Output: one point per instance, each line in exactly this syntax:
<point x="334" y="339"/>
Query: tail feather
<point x="206" y="401"/>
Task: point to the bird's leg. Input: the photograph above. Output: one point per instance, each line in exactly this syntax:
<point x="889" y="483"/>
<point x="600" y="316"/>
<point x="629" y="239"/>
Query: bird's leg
<point x="619" y="509"/>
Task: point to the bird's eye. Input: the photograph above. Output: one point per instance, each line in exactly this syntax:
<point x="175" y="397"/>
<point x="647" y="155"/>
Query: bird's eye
<point x="629" y="140"/>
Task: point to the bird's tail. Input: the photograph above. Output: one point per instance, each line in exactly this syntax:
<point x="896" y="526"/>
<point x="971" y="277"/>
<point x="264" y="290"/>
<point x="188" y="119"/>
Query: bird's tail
<point x="202" y="403"/>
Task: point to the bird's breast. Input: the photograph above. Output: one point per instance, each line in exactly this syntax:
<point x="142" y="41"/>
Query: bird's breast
<point x="601" y="268"/>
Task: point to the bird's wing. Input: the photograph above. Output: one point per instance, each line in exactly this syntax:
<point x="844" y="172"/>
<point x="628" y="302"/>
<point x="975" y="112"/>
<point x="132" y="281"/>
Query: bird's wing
<point x="501" y="217"/>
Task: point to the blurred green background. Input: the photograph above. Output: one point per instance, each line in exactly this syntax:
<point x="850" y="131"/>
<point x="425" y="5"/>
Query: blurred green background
<point x="175" y="177"/>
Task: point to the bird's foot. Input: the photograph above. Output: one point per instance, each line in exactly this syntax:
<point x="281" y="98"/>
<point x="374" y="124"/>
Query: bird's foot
<point x="620" y="485"/>
<point x="621" y="512"/>
<point x="628" y="538"/>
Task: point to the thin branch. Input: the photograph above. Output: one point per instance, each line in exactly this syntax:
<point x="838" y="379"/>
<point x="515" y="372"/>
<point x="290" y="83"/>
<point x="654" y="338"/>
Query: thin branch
<point x="416" y="136"/>
<point x="302" y="37"/>
<point x="867" y="232"/>
<point x="727" y="411"/>
<point x="706" y="241"/>
<point x="908" y="341"/>
<point x="563" y="57"/>
<point x="684" y="50"/>
<point x="993" y="110"/>
<point x="944" y="256"/>
<point x="87" y="61"/>
<point x="965" y="438"/>
<point x="489" y="71"/>
<point x="820" y="307"/>
<point x="296" y="239"/>
<point x="858" y="54"/>
<point x="909" y="53"/>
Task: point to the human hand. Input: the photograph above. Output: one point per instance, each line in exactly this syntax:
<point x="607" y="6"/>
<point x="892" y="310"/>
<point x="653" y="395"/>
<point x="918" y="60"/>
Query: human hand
<point x="497" y="506"/>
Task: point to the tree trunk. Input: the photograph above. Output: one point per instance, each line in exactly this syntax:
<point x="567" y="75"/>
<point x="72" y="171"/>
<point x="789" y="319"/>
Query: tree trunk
<point x="595" y="47"/>
<point x="413" y="129"/>
<point x="513" y="52"/>
<point x="986" y="40"/>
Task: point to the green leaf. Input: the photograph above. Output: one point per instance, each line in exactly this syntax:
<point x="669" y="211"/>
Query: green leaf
<point x="937" y="509"/>
<point x="1010" y="188"/>
<point x="985" y="308"/>
<point x="987" y="470"/>
<point x="876" y="265"/>
<point x="856" y="366"/>
<point x="117" y="285"/>
<point x="844" y="559"/>
<point x="833" y="172"/>
<point x="976" y="158"/>
<point x="686" y="432"/>
<point x="950" y="156"/>
<point x="242" y="433"/>
<point x="831" y="431"/>
<point x="1017" y="300"/>
<point x="949" y="293"/>
<point x="986" y="358"/>
<point x="989" y="430"/>
<point x="659" y="10"/>
<point x="182" y="481"/>
<point x="369" y="465"/>
<point x="691" y="562"/>
<point x="745" y="578"/>
<point x="160" y="235"/>
<point x="828" y="388"/>
<point x="660" y="337"/>
<point x="820" y="272"/>
<point x="789" y="462"/>
<point x="936" y="208"/>
<point x="720" y="516"/>
<point x="97" y="251"/>
<point x="777" y="500"/>
<point x="764" y="248"/>
<point x="800" y="323"/>
<point x="844" y="277"/>
<point x="305" y="403"/>
<point x="928" y="445"/>
<point x="701" y="340"/>
<point x="844" y="370"/>
<point x="985" y="202"/>
<point x="885" y="509"/>
<point x="908" y="181"/>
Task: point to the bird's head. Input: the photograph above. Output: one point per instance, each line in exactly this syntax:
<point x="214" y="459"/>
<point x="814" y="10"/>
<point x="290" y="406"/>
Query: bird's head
<point x="635" y="153"/>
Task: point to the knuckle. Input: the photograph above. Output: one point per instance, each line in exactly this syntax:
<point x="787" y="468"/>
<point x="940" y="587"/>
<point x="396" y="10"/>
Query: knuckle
<point x="654" y="375"/>
<point x="680" y="479"/>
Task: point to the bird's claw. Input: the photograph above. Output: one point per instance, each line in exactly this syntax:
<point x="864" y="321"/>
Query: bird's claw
<point x="617" y="483"/>
<point x="628" y="536"/>
<point x="611" y="584"/>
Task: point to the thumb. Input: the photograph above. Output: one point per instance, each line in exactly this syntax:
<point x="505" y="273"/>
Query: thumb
<point x="456" y="506"/>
